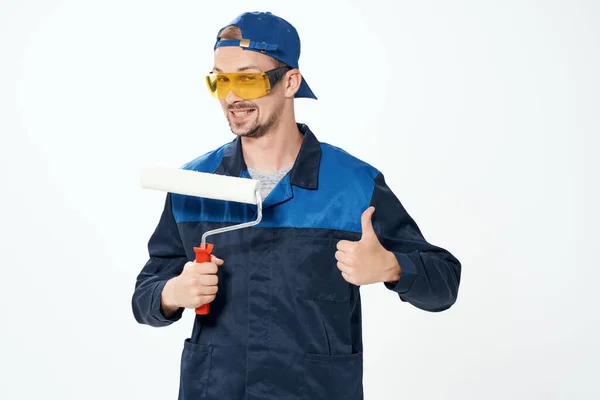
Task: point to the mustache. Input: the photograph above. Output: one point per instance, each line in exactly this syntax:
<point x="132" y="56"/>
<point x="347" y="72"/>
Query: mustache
<point x="242" y="106"/>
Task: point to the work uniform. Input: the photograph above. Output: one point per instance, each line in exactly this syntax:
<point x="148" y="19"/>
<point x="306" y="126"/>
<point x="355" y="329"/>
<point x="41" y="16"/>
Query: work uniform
<point x="285" y="325"/>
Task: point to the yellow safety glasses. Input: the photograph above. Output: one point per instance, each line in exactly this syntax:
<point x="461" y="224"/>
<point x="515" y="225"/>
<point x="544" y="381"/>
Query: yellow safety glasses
<point x="245" y="85"/>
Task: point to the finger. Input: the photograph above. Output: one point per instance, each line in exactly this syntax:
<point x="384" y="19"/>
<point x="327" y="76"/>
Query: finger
<point x="342" y="257"/>
<point x="348" y="278"/>
<point x="208" y="290"/>
<point x="208" y="280"/>
<point x="206" y="299"/>
<point x="345" y="268"/>
<point x="216" y="260"/>
<point x="190" y="265"/>
<point x="345" y="246"/>
<point x="367" y="223"/>
<point x="207" y="268"/>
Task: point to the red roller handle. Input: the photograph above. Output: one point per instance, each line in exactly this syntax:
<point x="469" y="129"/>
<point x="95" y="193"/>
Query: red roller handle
<point x="203" y="255"/>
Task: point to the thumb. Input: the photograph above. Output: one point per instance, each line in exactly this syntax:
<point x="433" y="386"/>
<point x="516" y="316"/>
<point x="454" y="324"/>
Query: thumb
<point x="367" y="224"/>
<point x="216" y="260"/>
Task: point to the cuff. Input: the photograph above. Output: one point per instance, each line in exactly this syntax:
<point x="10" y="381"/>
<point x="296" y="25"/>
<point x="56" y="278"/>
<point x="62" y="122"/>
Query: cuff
<point x="155" y="309"/>
<point x="408" y="274"/>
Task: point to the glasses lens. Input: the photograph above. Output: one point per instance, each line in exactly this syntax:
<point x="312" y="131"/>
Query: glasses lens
<point x="211" y="83"/>
<point x="246" y="86"/>
<point x="250" y="86"/>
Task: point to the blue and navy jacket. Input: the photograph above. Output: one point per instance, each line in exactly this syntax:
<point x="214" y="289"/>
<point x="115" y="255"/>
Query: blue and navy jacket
<point x="285" y="325"/>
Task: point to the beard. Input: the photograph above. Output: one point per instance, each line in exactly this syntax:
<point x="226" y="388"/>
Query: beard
<point x="254" y="129"/>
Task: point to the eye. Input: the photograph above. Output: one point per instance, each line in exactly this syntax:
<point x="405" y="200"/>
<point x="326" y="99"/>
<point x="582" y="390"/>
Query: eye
<point x="222" y="79"/>
<point x="247" y="78"/>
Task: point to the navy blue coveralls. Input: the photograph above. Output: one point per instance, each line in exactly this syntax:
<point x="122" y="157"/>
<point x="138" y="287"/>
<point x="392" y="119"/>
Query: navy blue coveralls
<point x="285" y="325"/>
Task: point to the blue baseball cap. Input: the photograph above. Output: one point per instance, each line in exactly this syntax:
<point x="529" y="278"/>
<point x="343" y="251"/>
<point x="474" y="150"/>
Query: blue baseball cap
<point x="269" y="34"/>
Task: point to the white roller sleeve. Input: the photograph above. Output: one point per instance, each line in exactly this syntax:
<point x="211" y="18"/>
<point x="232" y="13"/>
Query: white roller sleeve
<point x="200" y="184"/>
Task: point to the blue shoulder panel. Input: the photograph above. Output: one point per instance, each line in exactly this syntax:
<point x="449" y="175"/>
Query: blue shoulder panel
<point x="344" y="191"/>
<point x="207" y="162"/>
<point x="191" y="209"/>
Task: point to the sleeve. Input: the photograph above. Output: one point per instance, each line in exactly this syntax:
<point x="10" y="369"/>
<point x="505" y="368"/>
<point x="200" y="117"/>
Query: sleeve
<point x="430" y="275"/>
<point x="166" y="260"/>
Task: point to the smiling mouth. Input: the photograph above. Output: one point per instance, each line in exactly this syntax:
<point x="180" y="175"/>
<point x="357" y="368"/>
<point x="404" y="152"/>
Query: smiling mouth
<point x="241" y="114"/>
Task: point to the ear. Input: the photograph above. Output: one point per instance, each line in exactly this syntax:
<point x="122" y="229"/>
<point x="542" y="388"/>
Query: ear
<point x="292" y="80"/>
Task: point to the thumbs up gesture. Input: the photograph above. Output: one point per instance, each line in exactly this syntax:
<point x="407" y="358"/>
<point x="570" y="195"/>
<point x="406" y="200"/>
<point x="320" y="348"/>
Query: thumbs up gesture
<point x="366" y="261"/>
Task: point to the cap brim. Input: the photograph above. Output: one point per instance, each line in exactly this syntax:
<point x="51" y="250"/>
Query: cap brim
<point x="305" y="91"/>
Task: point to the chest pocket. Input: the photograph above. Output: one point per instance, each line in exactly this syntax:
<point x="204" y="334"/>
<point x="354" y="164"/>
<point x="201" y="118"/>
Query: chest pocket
<point x="316" y="274"/>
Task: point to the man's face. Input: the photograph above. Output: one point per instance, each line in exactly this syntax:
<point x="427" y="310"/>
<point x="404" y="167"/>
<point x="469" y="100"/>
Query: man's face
<point x="249" y="118"/>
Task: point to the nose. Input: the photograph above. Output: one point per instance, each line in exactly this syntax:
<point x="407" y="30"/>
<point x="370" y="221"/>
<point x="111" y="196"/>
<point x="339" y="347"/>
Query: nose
<point x="232" y="98"/>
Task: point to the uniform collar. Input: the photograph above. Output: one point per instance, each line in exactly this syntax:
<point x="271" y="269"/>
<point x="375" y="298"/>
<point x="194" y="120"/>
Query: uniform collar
<point x="304" y="173"/>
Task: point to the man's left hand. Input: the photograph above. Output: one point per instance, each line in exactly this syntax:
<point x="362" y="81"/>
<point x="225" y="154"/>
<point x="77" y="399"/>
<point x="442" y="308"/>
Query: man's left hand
<point x="366" y="261"/>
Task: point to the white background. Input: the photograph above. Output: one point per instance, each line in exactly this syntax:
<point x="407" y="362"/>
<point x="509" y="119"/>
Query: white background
<point x="483" y="116"/>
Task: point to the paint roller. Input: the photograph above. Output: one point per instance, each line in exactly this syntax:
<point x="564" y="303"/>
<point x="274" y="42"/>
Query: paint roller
<point x="206" y="185"/>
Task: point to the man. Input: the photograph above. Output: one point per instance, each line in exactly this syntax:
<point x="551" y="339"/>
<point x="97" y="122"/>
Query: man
<point x="285" y="309"/>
